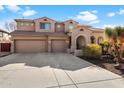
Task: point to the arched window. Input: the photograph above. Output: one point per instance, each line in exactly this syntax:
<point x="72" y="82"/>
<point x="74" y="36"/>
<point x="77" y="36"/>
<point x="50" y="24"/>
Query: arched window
<point x="100" y="40"/>
<point x="93" y="40"/>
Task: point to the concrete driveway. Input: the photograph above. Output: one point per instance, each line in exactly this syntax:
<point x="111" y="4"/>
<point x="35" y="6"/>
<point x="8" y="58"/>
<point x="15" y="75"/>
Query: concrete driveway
<point x="54" y="71"/>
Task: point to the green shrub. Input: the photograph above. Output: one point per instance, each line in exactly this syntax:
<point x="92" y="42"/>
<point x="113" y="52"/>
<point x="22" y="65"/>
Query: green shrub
<point x="105" y="43"/>
<point x="92" y="51"/>
<point x="105" y="47"/>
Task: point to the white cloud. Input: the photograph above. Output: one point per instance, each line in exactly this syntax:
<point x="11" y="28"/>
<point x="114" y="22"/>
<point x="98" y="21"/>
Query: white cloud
<point x="29" y="12"/>
<point x="86" y="16"/>
<point x="94" y="11"/>
<point x="94" y="22"/>
<point x="1" y="7"/>
<point x="121" y="12"/>
<point x="108" y="25"/>
<point x="111" y="14"/>
<point x="13" y="8"/>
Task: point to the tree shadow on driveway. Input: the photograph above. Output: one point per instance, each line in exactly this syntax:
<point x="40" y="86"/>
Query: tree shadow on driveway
<point x="54" y="60"/>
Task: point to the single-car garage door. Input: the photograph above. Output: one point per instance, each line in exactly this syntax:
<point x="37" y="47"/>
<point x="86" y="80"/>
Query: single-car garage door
<point x="58" y="46"/>
<point x="30" y="46"/>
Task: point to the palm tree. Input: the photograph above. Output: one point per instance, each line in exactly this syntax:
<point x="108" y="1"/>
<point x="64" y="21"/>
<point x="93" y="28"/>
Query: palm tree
<point x="120" y="31"/>
<point x="113" y="35"/>
<point x="108" y="32"/>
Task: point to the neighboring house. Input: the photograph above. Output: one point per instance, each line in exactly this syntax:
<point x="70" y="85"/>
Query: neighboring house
<point x="4" y="41"/>
<point x="48" y="35"/>
<point x="4" y="36"/>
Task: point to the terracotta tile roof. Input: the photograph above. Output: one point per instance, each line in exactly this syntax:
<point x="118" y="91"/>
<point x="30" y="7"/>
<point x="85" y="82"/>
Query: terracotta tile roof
<point x="33" y="33"/>
<point x="46" y="18"/>
<point x="24" y="20"/>
<point x="71" y="20"/>
<point x="97" y="30"/>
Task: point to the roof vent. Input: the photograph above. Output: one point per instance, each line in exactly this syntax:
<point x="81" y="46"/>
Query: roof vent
<point x="45" y="19"/>
<point x="81" y="29"/>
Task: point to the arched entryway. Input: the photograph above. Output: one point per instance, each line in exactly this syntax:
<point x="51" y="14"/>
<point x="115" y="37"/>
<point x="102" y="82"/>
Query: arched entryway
<point x="80" y="42"/>
<point x="100" y="40"/>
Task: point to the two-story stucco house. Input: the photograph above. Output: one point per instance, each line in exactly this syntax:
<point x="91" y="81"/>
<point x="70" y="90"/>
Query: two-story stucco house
<point x="48" y="35"/>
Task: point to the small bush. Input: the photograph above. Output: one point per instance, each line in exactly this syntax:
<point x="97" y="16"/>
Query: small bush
<point x="105" y="47"/>
<point x="92" y="51"/>
<point x="105" y="43"/>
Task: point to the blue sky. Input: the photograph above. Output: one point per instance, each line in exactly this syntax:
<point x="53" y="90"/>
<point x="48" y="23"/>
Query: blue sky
<point x="98" y="16"/>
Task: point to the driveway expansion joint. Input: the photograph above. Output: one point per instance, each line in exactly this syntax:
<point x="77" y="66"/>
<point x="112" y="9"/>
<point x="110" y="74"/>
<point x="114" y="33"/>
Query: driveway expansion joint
<point x="71" y="79"/>
<point x="99" y="81"/>
<point x="56" y="77"/>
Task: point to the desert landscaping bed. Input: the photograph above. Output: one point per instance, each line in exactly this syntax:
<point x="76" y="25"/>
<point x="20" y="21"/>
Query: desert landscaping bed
<point x="109" y="65"/>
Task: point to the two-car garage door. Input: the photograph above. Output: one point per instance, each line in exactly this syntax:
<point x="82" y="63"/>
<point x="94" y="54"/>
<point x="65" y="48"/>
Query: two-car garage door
<point x="30" y="46"/>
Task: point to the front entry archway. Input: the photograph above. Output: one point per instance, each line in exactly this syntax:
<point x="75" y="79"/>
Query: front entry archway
<point x="80" y="42"/>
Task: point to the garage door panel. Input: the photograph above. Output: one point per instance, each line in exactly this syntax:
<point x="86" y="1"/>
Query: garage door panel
<point x="30" y="46"/>
<point x="58" y="46"/>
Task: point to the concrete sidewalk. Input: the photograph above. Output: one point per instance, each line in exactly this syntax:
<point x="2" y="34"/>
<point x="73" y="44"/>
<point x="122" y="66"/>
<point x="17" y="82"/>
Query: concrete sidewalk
<point x="54" y="71"/>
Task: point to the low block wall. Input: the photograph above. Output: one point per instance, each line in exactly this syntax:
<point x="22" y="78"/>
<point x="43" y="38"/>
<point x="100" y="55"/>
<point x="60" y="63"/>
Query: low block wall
<point x="78" y="53"/>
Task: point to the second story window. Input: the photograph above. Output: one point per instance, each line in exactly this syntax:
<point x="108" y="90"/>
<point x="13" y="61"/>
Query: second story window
<point x="27" y="24"/>
<point x="32" y="24"/>
<point x="45" y="26"/>
<point x="58" y="26"/>
<point x="22" y="24"/>
<point x="71" y="27"/>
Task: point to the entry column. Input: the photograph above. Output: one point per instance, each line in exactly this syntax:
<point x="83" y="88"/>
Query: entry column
<point x="67" y="45"/>
<point x="49" y="45"/>
<point x="12" y="46"/>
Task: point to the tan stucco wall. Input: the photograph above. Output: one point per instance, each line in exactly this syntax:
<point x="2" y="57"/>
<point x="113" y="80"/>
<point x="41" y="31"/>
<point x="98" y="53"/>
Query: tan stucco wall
<point x="61" y="27"/>
<point x="24" y="27"/>
<point x="29" y="37"/>
<point x="66" y="38"/>
<point x="37" y="25"/>
<point x="67" y="23"/>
